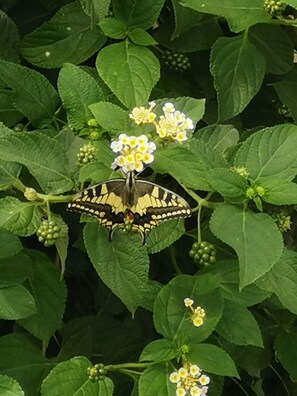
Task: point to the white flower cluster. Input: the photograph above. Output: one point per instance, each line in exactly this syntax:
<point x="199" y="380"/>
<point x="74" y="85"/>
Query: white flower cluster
<point x="173" y="125"/>
<point x="190" y="381"/>
<point x="133" y="153"/>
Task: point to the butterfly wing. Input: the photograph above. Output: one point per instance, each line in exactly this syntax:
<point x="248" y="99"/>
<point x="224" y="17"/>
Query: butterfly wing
<point x="156" y="204"/>
<point x="152" y="204"/>
<point x="102" y="201"/>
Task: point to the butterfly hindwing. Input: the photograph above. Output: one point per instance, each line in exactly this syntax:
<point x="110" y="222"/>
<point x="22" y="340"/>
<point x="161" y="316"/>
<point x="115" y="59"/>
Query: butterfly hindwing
<point x="150" y="204"/>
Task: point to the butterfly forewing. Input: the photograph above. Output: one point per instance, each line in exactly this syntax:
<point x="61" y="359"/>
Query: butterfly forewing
<point x="152" y="204"/>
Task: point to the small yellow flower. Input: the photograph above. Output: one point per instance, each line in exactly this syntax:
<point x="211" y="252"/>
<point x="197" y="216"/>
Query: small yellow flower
<point x="130" y="159"/>
<point x="181" y="136"/>
<point x="142" y="148"/>
<point x="197" y="321"/>
<point x="168" y="108"/>
<point x="142" y="140"/>
<point x="121" y="160"/>
<point x="194" y="370"/>
<point x="188" y="302"/>
<point x="180" y="392"/>
<point x="138" y="157"/>
<point x="147" y="158"/>
<point x="174" y="377"/>
<point x="204" y="380"/>
<point x="123" y="139"/>
<point x="138" y="166"/>
<point x="195" y="391"/>
<point x="132" y="141"/>
<point x="183" y="372"/>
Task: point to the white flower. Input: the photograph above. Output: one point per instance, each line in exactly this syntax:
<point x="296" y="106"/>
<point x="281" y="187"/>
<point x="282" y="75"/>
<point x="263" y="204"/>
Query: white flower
<point x="183" y="372"/>
<point x="194" y="370"/>
<point x="188" y="302"/>
<point x="174" y="377"/>
<point x="168" y="108"/>
<point x="116" y="146"/>
<point x="195" y="391"/>
<point x="204" y="380"/>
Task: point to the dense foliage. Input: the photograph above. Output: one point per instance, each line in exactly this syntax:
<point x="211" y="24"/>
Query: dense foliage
<point x="83" y="315"/>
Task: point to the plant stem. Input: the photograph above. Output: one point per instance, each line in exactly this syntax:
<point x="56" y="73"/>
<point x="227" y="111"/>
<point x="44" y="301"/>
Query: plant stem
<point x="173" y="260"/>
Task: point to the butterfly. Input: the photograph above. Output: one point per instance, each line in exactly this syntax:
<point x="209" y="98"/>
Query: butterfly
<point x="139" y="204"/>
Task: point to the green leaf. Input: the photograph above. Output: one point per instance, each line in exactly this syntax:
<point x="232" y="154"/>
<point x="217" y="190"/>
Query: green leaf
<point x="14" y="270"/>
<point x="10" y="387"/>
<point x="275" y="45"/>
<point x="137" y="13"/>
<point x="212" y="359"/>
<point x="20" y="218"/>
<point x="9" y="39"/>
<point x="9" y="172"/>
<point x="227" y="272"/>
<point x="185" y="19"/>
<point x="8" y="114"/>
<point x="67" y="37"/>
<point x="164" y="235"/>
<point x="229" y="184"/>
<point x="219" y="137"/>
<point x="159" y="351"/>
<point x="238" y="69"/>
<point x="292" y="3"/>
<point x="122" y="265"/>
<point x="282" y="280"/>
<point x="95" y="9"/>
<point x="254" y="236"/>
<point x="285" y="348"/>
<point x="269" y="153"/>
<point x="238" y="325"/>
<point x="152" y="289"/>
<point x="10" y="244"/>
<point x="286" y="90"/>
<point x="71" y="144"/>
<point x="50" y="297"/>
<point x="155" y="381"/>
<point x="183" y="165"/>
<point x="44" y="157"/>
<point x="141" y="37"/>
<point x="62" y="242"/>
<point x="95" y="172"/>
<point x="280" y="192"/>
<point x="208" y="156"/>
<point x="23" y="361"/>
<point x="130" y="72"/>
<point x="110" y="117"/>
<point x="78" y="89"/>
<point x="239" y="14"/>
<point x="172" y="318"/>
<point x="197" y="38"/>
<point x="113" y="28"/>
<point x="70" y="378"/>
<point x="16" y="303"/>
<point x="31" y="93"/>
